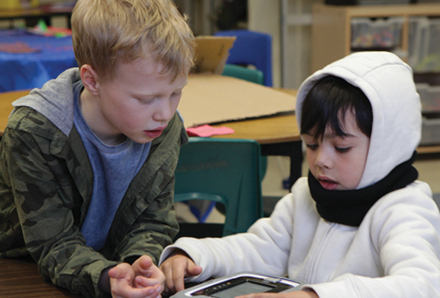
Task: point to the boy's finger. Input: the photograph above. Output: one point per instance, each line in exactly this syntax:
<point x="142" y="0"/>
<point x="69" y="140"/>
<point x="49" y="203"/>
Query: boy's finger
<point x="115" y="272"/>
<point x="179" y="283"/>
<point x="143" y="281"/>
<point x="194" y="270"/>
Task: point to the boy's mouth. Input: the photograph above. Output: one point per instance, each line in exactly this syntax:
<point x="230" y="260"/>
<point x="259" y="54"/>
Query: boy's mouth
<point x="154" y="133"/>
<point x="327" y="183"/>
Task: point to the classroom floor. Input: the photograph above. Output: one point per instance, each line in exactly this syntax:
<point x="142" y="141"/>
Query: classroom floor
<point x="278" y="169"/>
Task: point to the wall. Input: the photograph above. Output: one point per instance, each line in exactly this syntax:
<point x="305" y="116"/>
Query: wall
<point x="289" y="22"/>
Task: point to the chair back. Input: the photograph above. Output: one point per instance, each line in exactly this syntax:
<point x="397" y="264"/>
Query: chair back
<point x="224" y="171"/>
<point x="251" y="75"/>
<point x="251" y="48"/>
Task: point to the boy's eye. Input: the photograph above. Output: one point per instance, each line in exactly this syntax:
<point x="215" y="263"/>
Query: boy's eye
<point x="312" y="146"/>
<point x="147" y="100"/>
<point x="342" y="149"/>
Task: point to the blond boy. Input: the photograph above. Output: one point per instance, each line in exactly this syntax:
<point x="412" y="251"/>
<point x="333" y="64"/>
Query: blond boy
<point x="87" y="162"/>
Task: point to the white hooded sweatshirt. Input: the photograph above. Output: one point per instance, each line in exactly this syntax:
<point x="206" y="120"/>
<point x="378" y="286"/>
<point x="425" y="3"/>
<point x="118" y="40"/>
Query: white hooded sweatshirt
<point x="393" y="253"/>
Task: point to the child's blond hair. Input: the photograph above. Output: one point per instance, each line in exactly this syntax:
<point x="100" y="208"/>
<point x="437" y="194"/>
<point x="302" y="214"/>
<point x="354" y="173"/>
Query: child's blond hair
<point x="107" y="31"/>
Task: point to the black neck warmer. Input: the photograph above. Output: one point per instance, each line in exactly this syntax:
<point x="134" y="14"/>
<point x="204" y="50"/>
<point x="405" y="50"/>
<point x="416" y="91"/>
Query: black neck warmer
<point x="349" y="207"/>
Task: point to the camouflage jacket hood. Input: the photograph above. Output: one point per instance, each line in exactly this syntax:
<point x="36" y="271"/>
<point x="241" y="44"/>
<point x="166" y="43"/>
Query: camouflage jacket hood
<point x="46" y="184"/>
<point x="47" y="100"/>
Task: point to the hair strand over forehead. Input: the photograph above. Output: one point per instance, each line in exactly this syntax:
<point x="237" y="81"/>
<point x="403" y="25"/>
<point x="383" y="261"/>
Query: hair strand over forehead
<point x="327" y="103"/>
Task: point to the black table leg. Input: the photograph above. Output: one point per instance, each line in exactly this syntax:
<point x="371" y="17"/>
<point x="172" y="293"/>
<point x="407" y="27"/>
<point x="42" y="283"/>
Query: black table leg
<point x="293" y="150"/>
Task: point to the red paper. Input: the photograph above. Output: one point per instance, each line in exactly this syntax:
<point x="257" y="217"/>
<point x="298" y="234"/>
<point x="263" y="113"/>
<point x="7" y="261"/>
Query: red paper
<point x="207" y="131"/>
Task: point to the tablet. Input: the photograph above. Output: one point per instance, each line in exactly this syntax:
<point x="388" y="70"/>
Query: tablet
<point x="239" y="284"/>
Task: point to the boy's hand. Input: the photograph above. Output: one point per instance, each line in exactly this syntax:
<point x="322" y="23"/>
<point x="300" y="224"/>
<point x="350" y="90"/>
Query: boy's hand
<point x="142" y="279"/>
<point x="176" y="267"/>
<point x="147" y="274"/>
<point x="298" y="294"/>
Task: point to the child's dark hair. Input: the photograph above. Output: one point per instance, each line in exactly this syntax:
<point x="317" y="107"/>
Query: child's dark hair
<point x="327" y="103"/>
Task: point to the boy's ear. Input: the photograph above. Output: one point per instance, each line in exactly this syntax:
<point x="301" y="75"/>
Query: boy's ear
<point x="90" y="79"/>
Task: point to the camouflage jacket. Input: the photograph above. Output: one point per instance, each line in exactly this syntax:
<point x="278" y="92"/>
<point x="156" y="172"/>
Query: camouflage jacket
<point x="46" y="184"/>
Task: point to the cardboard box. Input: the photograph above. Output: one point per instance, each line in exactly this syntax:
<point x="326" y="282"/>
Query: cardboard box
<point x="212" y="53"/>
<point x="210" y="97"/>
<point x="18" y="4"/>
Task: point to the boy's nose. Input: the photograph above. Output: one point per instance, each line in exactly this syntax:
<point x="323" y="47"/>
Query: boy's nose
<point x="165" y="111"/>
<point x="323" y="159"/>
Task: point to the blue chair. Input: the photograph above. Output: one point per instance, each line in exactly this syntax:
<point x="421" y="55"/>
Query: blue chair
<point x="222" y="171"/>
<point x="251" y="48"/>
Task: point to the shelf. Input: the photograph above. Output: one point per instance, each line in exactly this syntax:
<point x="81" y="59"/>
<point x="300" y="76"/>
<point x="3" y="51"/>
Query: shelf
<point x="383" y="10"/>
<point x="428" y="149"/>
<point x="331" y="29"/>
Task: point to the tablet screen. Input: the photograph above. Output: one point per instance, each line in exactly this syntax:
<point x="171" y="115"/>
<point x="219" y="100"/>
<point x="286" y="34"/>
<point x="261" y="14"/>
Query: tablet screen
<point x="244" y="288"/>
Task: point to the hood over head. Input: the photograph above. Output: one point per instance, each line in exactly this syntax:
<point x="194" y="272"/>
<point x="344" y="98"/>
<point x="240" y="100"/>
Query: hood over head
<point x="388" y="84"/>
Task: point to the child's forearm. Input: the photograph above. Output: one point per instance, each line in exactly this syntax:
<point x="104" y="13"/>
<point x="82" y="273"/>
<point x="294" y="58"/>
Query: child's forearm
<point x="104" y="280"/>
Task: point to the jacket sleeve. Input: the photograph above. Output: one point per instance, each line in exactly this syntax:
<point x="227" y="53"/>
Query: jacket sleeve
<point x="45" y="210"/>
<point x="264" y="248"/>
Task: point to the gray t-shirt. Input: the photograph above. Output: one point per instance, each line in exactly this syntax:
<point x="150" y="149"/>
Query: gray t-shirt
<point x="114" y="167"/>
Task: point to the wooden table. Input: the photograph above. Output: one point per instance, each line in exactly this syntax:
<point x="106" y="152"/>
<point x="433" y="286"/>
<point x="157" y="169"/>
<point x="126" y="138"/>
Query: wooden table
<point x="19" y="278"/>
<point x="6" y="100"/>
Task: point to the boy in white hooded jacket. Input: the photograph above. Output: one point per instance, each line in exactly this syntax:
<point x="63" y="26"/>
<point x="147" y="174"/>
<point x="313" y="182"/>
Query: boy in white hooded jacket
<point x="360" y="224"/>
